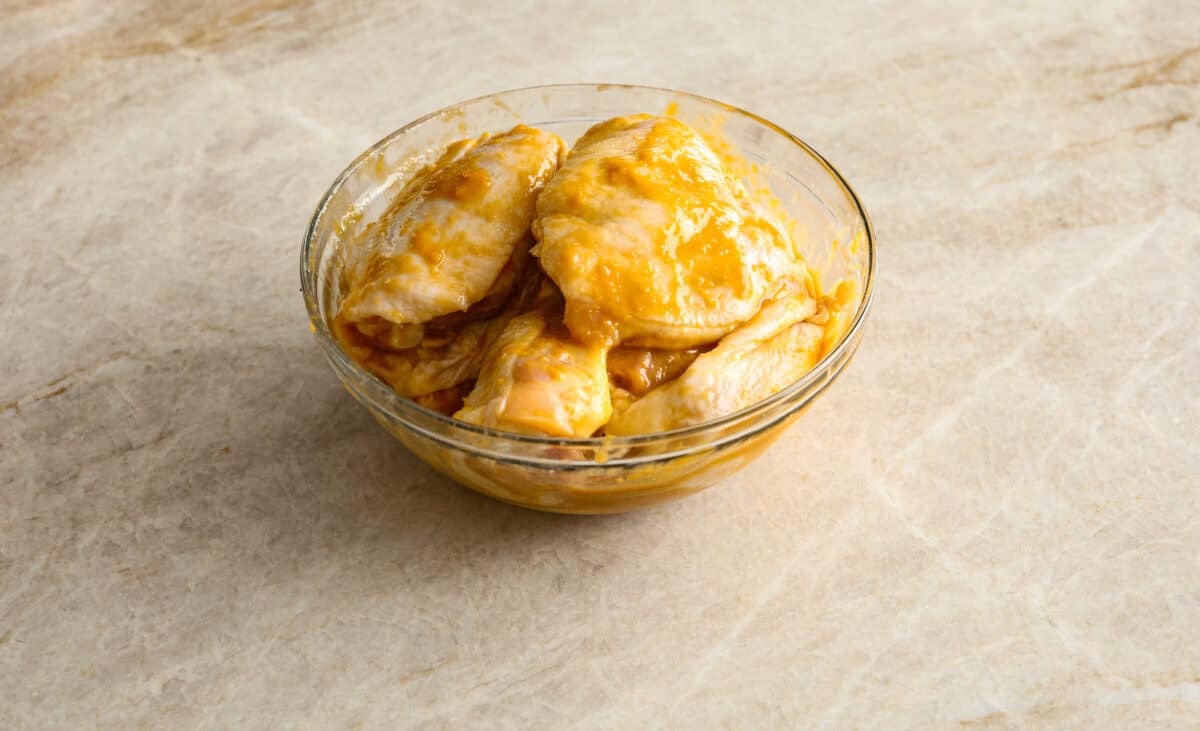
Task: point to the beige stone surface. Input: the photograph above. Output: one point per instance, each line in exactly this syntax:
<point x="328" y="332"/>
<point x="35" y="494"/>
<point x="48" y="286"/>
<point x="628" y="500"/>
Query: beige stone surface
<point x="991" y="522"/>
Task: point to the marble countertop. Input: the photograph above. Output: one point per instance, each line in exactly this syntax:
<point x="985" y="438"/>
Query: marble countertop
<point x="992" y="522"/>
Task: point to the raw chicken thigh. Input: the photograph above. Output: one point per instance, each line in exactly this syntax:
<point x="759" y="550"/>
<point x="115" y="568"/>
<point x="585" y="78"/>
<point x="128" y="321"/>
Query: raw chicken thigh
<point x="758" y="359"/>
<point x="630" y="287"/>
<point x="537" y="380"/>
<point x="653" y="242"/>
<point x="444" y="243"/>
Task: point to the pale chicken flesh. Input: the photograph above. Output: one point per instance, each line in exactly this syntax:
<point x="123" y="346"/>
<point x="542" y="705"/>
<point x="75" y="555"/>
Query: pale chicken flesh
<point x="536" y="379"/>
<point x="653" y="242"/>
<point x="445" y="241"/>
<point x="758" y="359"/>
<point x="451" y="348"/>
<point x="438" y="362"/>
<point x="632" y="287"/>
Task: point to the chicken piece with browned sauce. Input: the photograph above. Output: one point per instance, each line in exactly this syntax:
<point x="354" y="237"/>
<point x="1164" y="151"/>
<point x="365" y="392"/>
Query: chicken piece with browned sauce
<point x="758" y="359"/>
<point x="653" y="242"/>
<point x="537" y="379"/>
<point x="456" y="236"/>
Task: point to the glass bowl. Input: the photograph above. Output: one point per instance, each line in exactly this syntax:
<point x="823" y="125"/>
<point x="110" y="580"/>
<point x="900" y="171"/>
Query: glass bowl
<point x="606" y="474"/>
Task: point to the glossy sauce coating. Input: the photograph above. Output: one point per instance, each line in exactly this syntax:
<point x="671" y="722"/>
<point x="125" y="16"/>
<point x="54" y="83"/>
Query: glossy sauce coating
<point x="537" y="380"/>
<point x="640" y="370"/>
<point x="444" y="241"/>
<point x="633" y="288"/>
<point x="758" y="359"/>
<point x="652" y="242"/>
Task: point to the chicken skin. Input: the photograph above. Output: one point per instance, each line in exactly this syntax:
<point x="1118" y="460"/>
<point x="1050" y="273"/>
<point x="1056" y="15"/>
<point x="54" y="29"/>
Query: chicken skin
<point x="630" y="287"/>
<point x="536" y="380"/>
<point x="446" y="241"/>
<point x="653" y="242"/>
<point x="754" y="361"/>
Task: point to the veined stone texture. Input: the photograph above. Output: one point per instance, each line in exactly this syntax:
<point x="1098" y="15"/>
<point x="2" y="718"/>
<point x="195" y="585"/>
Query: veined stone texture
<point x="992" y="521"/>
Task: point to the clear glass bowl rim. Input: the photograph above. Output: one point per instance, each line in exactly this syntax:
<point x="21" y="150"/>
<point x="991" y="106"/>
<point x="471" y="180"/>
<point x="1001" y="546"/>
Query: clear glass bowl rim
<point x="382" y="397"/>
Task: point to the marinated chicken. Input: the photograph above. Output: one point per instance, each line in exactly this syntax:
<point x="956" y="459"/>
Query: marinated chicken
<point x="437" y="362"/>
<point x="766" y="354"/>
<point x="639" y="370"/>
<point x="631" y="286"/>
<point x="446" y="401"/>
<point x="445" y="241"/>
<point x="653" y="242"/>
<point x="537" y="380"/>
